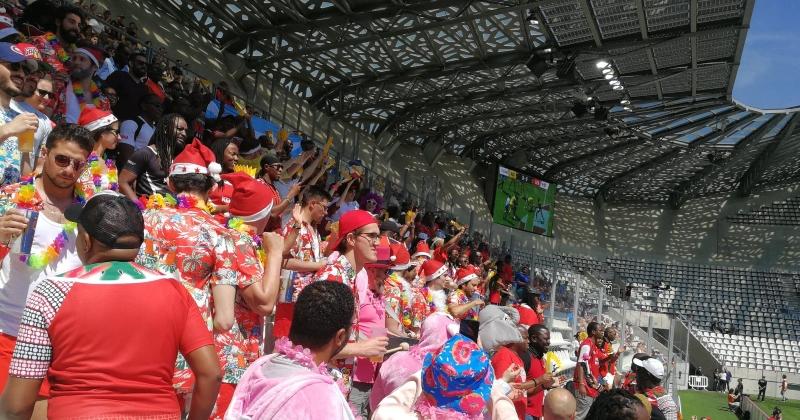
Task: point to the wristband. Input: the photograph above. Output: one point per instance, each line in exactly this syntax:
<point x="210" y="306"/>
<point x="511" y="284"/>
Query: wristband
<point x="4" y="250"/>
<point x="535" y="384"/>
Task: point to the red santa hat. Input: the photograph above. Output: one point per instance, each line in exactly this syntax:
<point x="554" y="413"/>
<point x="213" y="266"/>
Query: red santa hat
<point x="92" y="118"/>
<point x="433" y="269"/>
<point x="527" y="316"/>
<point x="251" y="200"/>
<point x="196" y="158"/>
<point x="96" y="56"/>
<point x="401" y="258"/>
<point x="349" y="222"/>
<point x="423" y="250"/>
<point x="465" y="274"/>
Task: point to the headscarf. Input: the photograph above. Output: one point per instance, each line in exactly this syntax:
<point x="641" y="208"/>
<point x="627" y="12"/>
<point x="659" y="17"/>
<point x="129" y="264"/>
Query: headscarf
<point x="434" y="332"/>
<point x="457" y="378"/>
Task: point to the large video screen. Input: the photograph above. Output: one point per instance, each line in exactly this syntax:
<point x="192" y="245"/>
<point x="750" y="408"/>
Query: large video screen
<point x="524" y="202"/>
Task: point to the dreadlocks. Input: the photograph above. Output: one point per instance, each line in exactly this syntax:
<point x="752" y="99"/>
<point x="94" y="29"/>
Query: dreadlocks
<point x="163" y="140"/>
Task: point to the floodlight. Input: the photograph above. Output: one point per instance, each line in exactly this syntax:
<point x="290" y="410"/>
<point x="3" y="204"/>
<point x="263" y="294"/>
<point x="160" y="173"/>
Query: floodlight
<point x="601" y="64"/>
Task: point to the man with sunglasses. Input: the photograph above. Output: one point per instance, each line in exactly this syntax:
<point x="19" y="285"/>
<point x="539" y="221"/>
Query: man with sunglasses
<point x="34" y="71"/>
<point x="12" y="79"/>
<point x="356" y="245"/>
<point x="66" y="151"/>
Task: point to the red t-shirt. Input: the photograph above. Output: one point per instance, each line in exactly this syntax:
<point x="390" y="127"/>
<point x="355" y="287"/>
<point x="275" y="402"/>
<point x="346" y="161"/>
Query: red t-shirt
<point x="107" y="337"/>
<point x="501" y="360"/>
<point x="592" y="356"/>
<point x="536" y="401"/>
<point x="608" y="366"/>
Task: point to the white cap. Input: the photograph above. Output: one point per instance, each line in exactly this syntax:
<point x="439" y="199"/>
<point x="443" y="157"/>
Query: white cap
<point x="652" y="366"/>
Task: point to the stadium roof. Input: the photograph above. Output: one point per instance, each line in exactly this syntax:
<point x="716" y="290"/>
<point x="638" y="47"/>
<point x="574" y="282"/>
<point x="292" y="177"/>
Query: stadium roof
<point x="460" y="74"/>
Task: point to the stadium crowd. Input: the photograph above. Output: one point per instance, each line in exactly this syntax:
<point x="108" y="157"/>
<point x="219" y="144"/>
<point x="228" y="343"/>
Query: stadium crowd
<point x="300" y="293"/>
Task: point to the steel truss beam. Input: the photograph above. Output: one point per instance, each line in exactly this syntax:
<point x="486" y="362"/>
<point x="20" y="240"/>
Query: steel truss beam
<point x="750" y="177"/>
<point x="604" y="189"/>
<point x="681" y="193"/>
<point x="561" y="165"/>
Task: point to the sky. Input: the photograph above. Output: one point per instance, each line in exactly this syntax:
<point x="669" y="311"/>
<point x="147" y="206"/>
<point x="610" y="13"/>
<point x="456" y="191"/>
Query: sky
<point x="769" y="74"/>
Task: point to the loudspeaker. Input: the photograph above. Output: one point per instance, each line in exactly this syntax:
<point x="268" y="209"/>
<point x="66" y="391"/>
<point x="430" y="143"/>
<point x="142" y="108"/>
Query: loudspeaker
<point x="537" y="65"/>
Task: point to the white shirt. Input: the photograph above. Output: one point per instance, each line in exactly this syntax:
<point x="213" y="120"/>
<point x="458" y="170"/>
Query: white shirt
<point x="127" y="130"/>
<point x="344" y="208"/>
<point x="42" y="131"/>
<point x="106" y="69"/>
<point x="17" y="280"/>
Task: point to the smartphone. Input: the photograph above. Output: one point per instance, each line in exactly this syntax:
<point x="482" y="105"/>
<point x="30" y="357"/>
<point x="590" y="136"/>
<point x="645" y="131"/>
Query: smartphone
<point x="469" y="328"/>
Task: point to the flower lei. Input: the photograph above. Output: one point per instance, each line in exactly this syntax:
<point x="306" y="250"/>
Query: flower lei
<point x="61" y="53"/>
<point x="237" y="224"/>
<point x="27" y="198"/>
<point x="299" y="355"/>
<point x="94" y="92"/>
<point x="99" y="173"/>
<point x="404" y="299"/>
<point x="182" y="201"/>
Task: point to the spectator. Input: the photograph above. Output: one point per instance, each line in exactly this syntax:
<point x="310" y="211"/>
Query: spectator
<point x="183" y="240"/>
<point x="498" y="334"/>
<point x="733" y="397"/>
<point x="130" y="86"/>
<point x="67" y="149"/>
<point x="587" y="371"/>
<point x="35" y="71"/>
<point x="434" y="332"/>
<point x="146" y="171"/>
<point x="42" y="98"/>
<point x="399" y="295"/>
<point x="269" y="173"/>
<point x="226" y="152"/>
<point x="344" y="199"/>
<point x="432" y="297"/>
<point x="617" y="404"/>
<point x="81" y="89"/>
<point x="118" y="61"/>
<point x="648" y="383"/>
<point x="559" y="404"/>
<point x="608" y="363"/>
<point x="249" y="302"/>
<point x="101" y="172"/>
<point x="68" y="25"/>
<point x="739" y="390"/>
<point x="304" y="256"/>
<point x="460" y="302"/>
<point x="293" y="381"/>
<point x="462" y="388"/>
<point x="136" y="133"/>
<point x="12" y="80"/>
<point x="540" y="379"/>
<point x="776" y="414"/>
<point x="115" y="378"/>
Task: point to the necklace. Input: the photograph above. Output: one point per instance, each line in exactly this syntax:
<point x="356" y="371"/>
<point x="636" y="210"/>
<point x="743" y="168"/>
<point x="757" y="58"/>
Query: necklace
<point x="96" y="98"/>
<point x="102" y="176"/>
<point x="240" y="226"/>
<point x="28" y="198"/>
<point x="182" y="201"/>
<point x="299" y="355"/>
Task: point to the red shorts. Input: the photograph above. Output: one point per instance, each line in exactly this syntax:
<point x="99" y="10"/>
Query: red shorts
<point x="284" y="314"/>
<point x="7" y="343"/>
<point x="223" y="400"/>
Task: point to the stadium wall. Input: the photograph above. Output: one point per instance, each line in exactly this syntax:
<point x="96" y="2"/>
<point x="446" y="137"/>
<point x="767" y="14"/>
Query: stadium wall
<point x="696" y="233"/>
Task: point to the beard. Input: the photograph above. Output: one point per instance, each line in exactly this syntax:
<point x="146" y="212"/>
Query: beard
<point x="10" y="89"/>
<point x="81" y="74"/>
<point x="70" y="36"/>
<point x="59" y="182"/>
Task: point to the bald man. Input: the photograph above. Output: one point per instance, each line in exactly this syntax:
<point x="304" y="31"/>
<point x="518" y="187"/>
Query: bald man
<point x="559" y="404"/>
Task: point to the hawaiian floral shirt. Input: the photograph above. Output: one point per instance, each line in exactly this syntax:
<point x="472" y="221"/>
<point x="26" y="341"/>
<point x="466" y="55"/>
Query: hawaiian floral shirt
<point x="191" y="246"/>
<point x="458" y="297"/>
<point x="399" y="296"/>
<point x="427" y="301"/>
<point x="240" y="346"/>
<point x="9" y="152"/>
<point x="306" y="248"/>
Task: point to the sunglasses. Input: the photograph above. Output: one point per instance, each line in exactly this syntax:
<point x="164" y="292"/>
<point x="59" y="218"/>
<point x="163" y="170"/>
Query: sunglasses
<point x="64" y="161"/>
<point x="26" y="69"/>
<point x="113" y="131"/>
<point x="44" y="93"/>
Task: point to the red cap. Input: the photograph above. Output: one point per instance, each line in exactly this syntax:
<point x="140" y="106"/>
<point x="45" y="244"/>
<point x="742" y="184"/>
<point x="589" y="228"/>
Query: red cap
<point x="351" y="221"/>
<point x="465" y="274"/>
<point x="251" y="200"/>
<point x="527" y="316"/>
<point x="433" y="269"/>
<point x="92" y="118"/>
<point x="423" y="250"/>
<point x="196" y="158"/>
